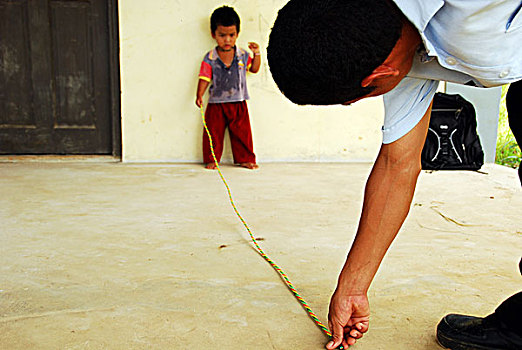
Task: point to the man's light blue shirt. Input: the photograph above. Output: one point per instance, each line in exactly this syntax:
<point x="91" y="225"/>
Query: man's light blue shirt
<point x="465" y="41"/>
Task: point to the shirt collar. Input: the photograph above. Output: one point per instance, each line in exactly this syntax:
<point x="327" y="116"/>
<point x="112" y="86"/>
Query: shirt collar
<point x="214" y="53"/>
<point x="419" y="13"/>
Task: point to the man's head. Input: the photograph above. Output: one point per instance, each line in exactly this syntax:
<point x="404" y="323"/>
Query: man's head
<point x="320" y="51"/>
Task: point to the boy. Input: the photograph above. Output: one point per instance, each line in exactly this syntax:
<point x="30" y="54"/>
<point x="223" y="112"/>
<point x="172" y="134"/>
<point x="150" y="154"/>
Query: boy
<point x="225" y="67"/>
<point x="340" y="51"/>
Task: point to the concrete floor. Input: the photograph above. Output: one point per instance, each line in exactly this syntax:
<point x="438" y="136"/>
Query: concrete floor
<point x="151" y="256"/>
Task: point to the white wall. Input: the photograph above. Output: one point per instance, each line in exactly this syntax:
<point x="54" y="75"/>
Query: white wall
<point x="487" y="104"/>
<point x="162" y="45"/>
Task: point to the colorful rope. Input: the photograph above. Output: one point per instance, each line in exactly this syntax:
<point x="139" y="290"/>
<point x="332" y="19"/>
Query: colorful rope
<point x="259" y="250"/>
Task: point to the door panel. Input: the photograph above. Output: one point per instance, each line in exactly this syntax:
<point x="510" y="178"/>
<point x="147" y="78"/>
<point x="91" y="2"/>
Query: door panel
<point x="55" y="66"/>
<point x="15" y="72"/>
<point x="73" y="61"/>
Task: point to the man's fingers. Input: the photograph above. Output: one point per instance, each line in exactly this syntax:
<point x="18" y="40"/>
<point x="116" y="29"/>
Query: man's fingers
<point x="337" y="336"/>
<point x="355" y="334"/>
<point x="350" y="342"/>
<point x="362" y="327"/>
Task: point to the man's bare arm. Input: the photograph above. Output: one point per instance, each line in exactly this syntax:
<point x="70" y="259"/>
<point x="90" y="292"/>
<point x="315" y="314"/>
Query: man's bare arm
<point x="387" y="199"/>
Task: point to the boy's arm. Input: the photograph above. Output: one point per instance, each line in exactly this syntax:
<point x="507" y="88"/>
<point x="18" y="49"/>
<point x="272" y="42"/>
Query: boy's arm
<point x="387" y="199"/>
<point x="256" y="61"/>
<point x="205" y="77"/>
<point x="202" y="87"/>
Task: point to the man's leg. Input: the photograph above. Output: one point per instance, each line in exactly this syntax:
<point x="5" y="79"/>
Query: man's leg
<point x="501" y="330"/>
<point x="514" y="109"/>
<point x="510" y="311"/>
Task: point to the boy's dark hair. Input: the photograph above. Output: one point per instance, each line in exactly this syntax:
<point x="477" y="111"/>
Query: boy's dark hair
<point x="224" y="16"/>
<point x="319" y="51"/>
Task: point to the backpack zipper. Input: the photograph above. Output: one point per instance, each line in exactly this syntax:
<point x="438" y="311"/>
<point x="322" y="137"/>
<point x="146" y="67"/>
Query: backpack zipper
<point x="457" y="111"/>
<point x="453" y="146"/>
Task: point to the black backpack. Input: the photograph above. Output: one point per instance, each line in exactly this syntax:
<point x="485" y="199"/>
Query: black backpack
<point x="452" y="142"/>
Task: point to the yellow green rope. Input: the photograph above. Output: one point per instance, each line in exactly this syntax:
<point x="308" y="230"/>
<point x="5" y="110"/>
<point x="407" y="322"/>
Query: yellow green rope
<point x="259" y="250"/>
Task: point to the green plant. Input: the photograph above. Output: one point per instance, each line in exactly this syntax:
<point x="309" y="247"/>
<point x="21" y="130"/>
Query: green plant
<point x="508" y="152"/>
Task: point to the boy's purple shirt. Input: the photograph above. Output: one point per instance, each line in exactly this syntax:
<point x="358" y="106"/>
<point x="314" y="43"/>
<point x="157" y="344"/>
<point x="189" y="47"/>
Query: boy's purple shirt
<point x="228" y="84"/>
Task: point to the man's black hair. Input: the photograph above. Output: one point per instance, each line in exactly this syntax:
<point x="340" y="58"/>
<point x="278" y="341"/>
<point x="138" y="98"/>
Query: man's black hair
<point x="224" y="16"/>
<point x="319" y="51"/>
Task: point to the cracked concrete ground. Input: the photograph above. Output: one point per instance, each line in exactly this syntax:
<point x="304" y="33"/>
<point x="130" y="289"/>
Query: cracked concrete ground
<point x="151" y="256"/>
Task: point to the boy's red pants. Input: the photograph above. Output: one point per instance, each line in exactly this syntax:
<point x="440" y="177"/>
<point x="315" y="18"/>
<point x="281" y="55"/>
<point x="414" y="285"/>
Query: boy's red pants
<point x="234" y="115"/>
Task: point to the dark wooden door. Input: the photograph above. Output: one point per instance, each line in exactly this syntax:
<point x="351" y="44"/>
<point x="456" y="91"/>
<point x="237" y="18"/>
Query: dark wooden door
<point x="55" y="77"/>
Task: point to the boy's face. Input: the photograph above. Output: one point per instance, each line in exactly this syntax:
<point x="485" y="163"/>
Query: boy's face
<point x="225" y="37"/>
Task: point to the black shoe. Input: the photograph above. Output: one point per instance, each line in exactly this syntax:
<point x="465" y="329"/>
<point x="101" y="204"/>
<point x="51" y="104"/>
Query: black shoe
<point x="460" y="332"/>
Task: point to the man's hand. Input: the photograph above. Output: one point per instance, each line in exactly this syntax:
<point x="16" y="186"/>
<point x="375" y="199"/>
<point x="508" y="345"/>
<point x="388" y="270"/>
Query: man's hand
<point x="348" y="319"/>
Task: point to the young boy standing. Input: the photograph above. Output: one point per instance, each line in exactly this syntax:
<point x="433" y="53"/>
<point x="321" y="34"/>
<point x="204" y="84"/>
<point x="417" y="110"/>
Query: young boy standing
<point x="224" y="68"/>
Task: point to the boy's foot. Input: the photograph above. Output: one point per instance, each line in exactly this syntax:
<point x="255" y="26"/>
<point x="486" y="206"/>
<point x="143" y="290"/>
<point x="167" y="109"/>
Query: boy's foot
<point x="249" y="165"/>
<point x="211" y="166"/>
<point x="461" y="332"/>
